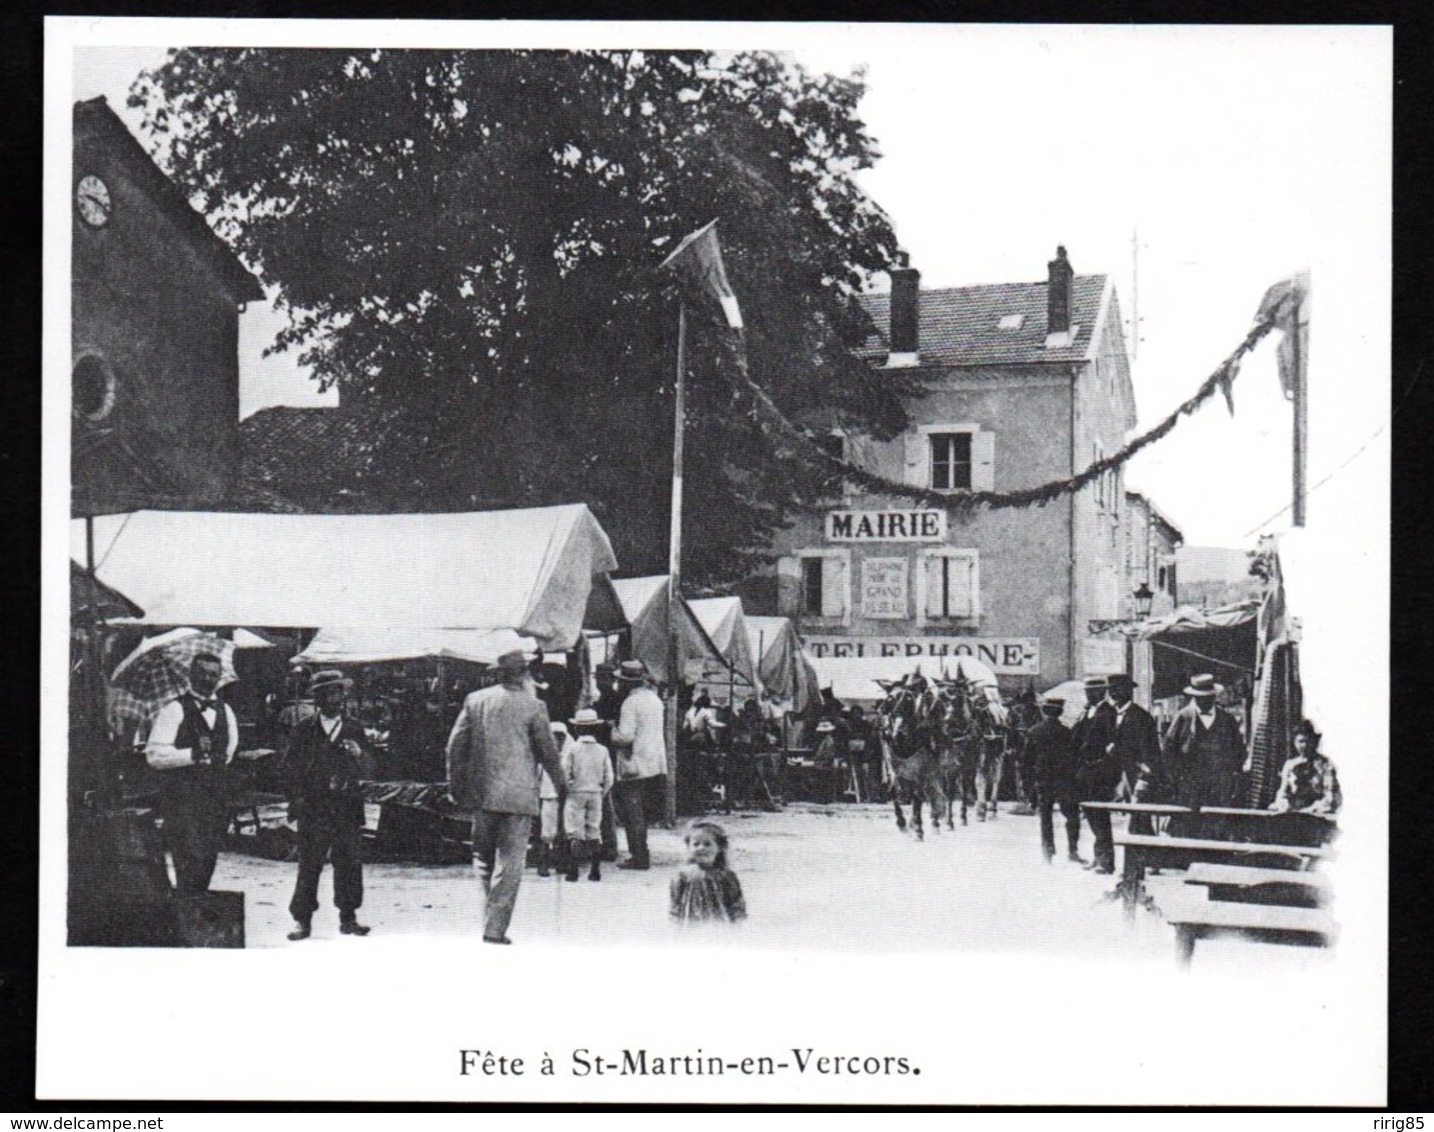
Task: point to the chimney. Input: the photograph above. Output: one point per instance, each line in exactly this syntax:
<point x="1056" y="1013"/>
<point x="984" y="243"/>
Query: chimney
<point x="905" y="302"/>
<point x="1058" y="297"/>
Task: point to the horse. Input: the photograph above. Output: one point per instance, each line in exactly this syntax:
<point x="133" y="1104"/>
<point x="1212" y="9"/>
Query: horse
<point x="1022" y="715"/>
<point x="905" y="722"/>
<point x="976" y="730"/>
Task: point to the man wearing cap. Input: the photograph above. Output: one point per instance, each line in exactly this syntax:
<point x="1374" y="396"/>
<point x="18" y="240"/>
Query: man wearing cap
<point x="1204" y="751"/>
<point x="1097" y="774"/>
<point x="192" y="741"/>
<point x="1050" y="756"/>
<point x="642" y="758"/>
<point x="321" y="770"/>
<point x="500" y="739"/>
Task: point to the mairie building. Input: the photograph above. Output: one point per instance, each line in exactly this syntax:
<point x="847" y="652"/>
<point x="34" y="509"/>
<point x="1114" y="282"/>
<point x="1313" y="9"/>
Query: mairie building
<point x="1024" y="383"/>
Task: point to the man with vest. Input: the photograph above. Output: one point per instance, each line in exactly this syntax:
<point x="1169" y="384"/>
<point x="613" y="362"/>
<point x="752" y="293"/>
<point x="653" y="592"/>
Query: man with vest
<point x="191" y="744"/>
<point x="321" y="772"/>
<point x="1204" y="751"/>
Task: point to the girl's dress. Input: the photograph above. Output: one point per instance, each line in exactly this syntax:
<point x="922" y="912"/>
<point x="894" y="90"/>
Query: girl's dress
<point x="704" y="895"/>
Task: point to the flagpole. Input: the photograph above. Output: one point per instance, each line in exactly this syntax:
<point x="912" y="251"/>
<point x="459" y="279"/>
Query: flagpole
<point x="675" y="665"/>
<point x="1301" y="439"/>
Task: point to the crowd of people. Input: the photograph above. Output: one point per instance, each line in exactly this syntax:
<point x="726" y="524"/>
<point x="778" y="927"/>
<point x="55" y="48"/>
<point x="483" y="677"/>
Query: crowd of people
<point x="1115" y="751"/>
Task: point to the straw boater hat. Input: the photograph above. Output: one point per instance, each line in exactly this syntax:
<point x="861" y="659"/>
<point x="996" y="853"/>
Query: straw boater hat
<point x="587" y="717"/>
<point x="328" y="678"/>
<point x="825" y="726"/>
<point x="1094" y="683"/>
<point x="1053" y="705"/>
<point x="1203" y="685"/>
<point x="632" y="672"/>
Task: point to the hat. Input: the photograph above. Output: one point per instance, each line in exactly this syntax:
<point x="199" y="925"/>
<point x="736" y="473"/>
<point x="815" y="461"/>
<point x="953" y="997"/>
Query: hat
<point x="1203" y="685"/>
<point x="558" y="727"/>
<point x="632" y="671"/>
<point x="512" y="663"/>
<point x="1307" y="729"/>
<point x="1095" y="682"/>
<point x="1053" y="705"/>
<point x="825" y="726"/>
<point x="1119" y="680"/>
<point x="587" y="717"/>
<point x="329" y="678"/>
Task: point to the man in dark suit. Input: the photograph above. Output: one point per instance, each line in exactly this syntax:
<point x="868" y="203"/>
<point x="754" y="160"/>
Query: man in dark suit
<point x="1135" y="745"/>
<point x="1050" y="761"/>
<point x="1098" y="774"/>
<point x="322" y="769"/>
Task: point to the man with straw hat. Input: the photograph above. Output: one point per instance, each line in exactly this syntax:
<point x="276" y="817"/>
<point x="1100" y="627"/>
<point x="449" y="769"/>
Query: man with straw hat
<point x="1204" y="752"/>
<point x="501" y="737"/>
<point x="321" y="771"/>
<point x="642" y="758"/>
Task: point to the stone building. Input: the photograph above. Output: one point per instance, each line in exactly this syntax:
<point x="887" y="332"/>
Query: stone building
<point x="155" y="302"/>
<point x="1024" y="383"/>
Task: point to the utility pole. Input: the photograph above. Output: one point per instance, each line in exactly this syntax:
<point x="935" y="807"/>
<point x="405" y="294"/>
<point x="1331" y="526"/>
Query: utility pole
<point x="675" y="664"/>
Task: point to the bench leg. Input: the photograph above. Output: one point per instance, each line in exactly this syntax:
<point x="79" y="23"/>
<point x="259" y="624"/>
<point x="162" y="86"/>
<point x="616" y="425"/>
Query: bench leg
<point x="1185" y="937"/>
<point x="1132" y="882"/>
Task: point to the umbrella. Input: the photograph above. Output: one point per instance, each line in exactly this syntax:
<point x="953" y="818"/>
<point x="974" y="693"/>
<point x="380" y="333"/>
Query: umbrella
<point x="158" y="671"/>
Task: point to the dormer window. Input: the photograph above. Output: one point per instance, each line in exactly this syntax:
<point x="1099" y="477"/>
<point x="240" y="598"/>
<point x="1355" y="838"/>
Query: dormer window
<point x="1011" y="322"/>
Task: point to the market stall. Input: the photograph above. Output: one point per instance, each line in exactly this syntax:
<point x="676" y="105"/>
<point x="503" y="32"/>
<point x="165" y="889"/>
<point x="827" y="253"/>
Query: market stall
<point x="646" y="610"/>
<point x="783" y="669"/>
<point x="724" y="622"/>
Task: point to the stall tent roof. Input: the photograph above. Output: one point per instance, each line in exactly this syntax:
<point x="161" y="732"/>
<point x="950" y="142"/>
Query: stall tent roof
<point x="532" y="571"/>
<point x="781" y="665"/>
<point x="644" y="605"/>
<point x="855" y="677"/>
<point x="722" y="618"/>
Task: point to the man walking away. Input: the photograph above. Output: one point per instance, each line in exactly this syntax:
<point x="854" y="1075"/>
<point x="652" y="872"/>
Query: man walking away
<point x="501" y="737"/>
<point x="642" y="758"/>
<point x="1051" y="763"/>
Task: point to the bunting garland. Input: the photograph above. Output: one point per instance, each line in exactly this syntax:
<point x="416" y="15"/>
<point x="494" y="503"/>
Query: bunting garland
<point x="1221" y="380"/>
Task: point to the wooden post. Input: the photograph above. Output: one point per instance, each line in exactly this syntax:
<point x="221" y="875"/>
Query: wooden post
<point x="1301" y="438"/>
<point x="675" y="665"/>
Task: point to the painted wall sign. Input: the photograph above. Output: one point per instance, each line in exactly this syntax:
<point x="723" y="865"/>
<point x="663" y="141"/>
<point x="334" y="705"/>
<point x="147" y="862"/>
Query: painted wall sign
<point x="886" y="526"/>
<point x="1006" y="656"/>
<point x="883" y="587"/>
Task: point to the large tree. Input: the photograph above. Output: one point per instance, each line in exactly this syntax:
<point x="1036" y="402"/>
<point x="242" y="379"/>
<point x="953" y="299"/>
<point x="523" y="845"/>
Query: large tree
<point x="467" y="242"/>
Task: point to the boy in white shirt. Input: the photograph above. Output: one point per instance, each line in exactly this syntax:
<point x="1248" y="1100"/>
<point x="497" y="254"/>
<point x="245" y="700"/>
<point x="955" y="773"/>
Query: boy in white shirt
<point x="548" y="804"/>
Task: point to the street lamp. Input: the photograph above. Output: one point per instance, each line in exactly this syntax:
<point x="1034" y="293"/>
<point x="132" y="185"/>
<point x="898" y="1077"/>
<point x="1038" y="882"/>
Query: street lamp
<point x="1144" y="596"/>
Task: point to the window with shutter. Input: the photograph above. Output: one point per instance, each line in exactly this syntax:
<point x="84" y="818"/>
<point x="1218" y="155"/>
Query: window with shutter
<point x="813" y="590"/>
<point x="983" y="461"/>
<point x="952" y="584"/>
<point x="950" y="461"/>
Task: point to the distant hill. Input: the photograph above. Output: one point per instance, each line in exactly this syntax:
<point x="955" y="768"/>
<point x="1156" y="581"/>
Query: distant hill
<point x="1211" y="576"/>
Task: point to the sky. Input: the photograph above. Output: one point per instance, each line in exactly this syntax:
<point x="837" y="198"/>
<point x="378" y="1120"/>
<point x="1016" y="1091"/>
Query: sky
<point x="1196" y="166"/>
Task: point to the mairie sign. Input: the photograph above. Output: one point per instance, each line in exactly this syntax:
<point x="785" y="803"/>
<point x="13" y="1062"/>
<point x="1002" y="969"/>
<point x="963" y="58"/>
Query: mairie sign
<point x="1006" y="656"/>
<point x="886" y="526"/>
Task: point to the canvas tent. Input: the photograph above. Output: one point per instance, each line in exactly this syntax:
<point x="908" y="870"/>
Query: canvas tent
<point x="724" y="622"/>
<point x="1188" y="641"/>
<point x="782" y="667"/>
<point x="377" y="646"/>
<point x="854" y="678"/>
<point x="645" y="608"/>
<point x="539" y="572"/>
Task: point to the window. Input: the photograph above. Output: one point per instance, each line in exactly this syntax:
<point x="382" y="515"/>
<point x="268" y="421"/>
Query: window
<point x="92" y="388"/>
<point x="951" y="583"/>
<point x="815" y="584"/>
<point x="950" y="461"/>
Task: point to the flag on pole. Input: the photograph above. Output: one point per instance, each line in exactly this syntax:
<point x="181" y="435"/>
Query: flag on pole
<point x="698" y="259"/>
<point x="1289" y="302"/>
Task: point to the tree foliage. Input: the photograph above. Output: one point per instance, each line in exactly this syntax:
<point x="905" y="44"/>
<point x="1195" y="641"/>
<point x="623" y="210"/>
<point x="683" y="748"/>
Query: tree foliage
<point x="466" y="243"/>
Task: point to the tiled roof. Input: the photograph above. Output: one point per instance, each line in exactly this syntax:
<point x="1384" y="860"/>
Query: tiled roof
<point x="960" y="326"/>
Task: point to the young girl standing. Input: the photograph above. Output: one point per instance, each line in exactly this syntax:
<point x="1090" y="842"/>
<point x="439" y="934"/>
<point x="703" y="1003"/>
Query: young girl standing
<point x="706" y="890"/>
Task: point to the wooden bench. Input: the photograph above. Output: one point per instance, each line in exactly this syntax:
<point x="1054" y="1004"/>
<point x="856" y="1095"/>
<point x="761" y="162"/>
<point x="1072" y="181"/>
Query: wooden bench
<point x="1241" y="884"/>
<point x="1143" y="851"/>
<point x="1195" y="917"/>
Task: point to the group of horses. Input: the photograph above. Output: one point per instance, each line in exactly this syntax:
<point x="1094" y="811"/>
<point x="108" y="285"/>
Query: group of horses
<point x="944" y="740"/>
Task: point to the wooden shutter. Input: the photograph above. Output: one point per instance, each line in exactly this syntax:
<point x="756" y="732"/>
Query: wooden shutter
<point x="932" y="565"/>
<point x="916" y="469"/>
<point x="983" y="461"/>
<point x="834" y="587"/>
<point x="789" y="586"/>
<point x="962" y="576"/>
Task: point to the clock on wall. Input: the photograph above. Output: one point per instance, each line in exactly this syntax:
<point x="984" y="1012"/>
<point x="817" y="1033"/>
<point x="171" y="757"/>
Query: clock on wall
<point x="92" y="199"/>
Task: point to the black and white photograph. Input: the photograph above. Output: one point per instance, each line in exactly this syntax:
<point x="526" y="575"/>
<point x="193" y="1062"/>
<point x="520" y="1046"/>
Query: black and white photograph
<point x="716" y="563"/>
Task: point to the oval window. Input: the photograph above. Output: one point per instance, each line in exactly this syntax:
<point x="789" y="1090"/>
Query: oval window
<point x="93" y="388"/>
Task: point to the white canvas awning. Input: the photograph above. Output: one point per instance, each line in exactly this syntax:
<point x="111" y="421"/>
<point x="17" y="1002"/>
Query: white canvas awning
<point x="723" y="619"/>
<point x="645" y="606"/>
<point x="375" y="646"/>
<point x="529" y="571"/>
<point x="855" y="677"/>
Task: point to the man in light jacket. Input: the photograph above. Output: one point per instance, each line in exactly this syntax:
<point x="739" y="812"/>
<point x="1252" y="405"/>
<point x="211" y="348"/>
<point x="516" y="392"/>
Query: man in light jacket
<point x="641" y="750"/>
<point x="501" y="737"/>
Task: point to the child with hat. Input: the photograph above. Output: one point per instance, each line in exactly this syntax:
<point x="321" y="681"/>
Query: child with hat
<point x="588" y="768"/>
